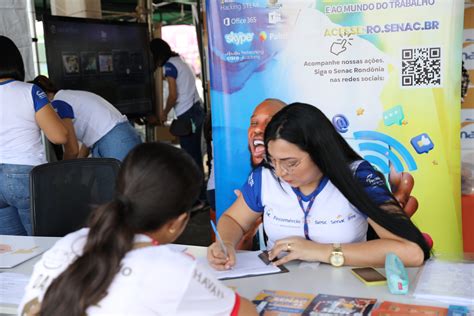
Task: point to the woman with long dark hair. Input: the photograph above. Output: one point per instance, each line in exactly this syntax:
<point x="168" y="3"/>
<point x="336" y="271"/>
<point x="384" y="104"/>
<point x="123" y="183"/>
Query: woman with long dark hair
<point x="121" y="264"/>
<point x="24" y="112"/>
<point x="318" y="197"/>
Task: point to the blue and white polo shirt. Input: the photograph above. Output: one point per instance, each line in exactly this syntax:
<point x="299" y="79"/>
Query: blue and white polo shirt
<point x="92" y="116"/>
<point x="178" y="69"/>
<point x="331" y="218"/>
<point x="20" y="135"/>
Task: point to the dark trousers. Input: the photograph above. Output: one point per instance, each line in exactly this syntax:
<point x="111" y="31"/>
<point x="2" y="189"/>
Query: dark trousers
<point x="192" y="143"/>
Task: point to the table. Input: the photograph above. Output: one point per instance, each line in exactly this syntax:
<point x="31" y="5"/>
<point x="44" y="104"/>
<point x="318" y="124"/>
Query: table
<point x="323" y="279"/>
<point x="26" y="268"/>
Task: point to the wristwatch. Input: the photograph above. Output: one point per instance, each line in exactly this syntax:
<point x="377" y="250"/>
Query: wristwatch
<point x="337" y="256"/>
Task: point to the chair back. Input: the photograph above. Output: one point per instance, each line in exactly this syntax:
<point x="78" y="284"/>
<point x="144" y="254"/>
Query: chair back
<point x="63" y="193"/>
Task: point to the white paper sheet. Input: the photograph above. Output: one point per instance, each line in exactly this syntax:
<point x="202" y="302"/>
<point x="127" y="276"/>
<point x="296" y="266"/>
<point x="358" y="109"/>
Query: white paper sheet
<point x="177" y="247"/>
<point x="247" y="263"/>
<point x="17" y="249"/>
<point x="449" y="282"/>
<point x="12" y="287"/>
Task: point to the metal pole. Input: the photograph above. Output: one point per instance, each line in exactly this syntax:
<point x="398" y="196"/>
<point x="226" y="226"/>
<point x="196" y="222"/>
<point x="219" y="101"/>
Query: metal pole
<point x="197" y="18"/>
<point x="150" y="132"/>
<point x="34" y="37"/>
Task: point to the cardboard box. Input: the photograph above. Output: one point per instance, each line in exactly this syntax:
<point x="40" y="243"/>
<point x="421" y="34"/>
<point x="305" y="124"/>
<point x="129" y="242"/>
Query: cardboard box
<point x="162" y="133"/>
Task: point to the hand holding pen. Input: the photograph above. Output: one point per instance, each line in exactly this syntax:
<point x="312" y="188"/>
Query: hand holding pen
<point x="220" y="255"/>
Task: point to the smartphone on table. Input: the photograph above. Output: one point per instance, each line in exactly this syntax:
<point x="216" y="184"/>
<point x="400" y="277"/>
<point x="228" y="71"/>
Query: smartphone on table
<point x="369" y="276"/>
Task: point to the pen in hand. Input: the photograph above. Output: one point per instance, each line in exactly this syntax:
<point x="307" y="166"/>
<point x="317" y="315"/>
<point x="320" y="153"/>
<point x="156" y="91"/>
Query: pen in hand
<point x="219" y="239"/>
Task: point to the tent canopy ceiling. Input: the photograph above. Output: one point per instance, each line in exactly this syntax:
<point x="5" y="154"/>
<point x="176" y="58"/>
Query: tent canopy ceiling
<point x="167" y="12"/>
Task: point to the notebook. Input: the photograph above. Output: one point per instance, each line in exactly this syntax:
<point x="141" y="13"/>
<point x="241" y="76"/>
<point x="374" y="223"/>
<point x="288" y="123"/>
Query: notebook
<point x="446" y="281"/>
<point x="248" y="263"/>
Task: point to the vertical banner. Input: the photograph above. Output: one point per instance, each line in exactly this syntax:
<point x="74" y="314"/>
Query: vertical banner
<point x="387" y="73"/>
<point x="467" y="130"/>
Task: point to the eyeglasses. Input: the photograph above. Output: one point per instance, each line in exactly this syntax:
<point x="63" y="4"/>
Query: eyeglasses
<point x="287" y="166"/>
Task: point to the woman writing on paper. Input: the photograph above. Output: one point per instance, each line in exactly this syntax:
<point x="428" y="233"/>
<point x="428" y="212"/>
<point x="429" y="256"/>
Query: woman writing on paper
<point x="121" y="264"/>
<point x="317" y="197"/>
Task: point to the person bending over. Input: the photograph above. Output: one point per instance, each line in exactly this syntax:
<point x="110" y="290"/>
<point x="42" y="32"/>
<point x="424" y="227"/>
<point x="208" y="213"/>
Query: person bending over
<point x="318" y="197"/>
<point x="121" y="264"/>
<point x="93" y="121"/>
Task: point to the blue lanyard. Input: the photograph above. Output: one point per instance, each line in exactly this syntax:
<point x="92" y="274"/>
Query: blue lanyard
<point x="306" y="212"/>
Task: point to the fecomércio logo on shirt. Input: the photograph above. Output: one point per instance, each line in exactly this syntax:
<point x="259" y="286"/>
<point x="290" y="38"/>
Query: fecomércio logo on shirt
<point x="41" y="94"/>
<point x="238" y="38"/>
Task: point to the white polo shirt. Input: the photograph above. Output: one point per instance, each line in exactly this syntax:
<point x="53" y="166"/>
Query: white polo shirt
<point x="331" y="218"/>
<point x="155" y="280"/>
<point x="20" y="135"/>
<point x="178" y="69"/>
<point x="92" y="115"/>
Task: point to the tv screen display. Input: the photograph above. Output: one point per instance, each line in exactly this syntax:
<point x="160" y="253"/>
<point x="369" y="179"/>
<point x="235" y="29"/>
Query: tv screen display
<point x="108" y="58"/>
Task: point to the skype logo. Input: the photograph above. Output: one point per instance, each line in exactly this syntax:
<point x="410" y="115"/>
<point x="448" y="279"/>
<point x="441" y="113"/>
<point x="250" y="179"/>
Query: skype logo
<point x="238" y="38"/>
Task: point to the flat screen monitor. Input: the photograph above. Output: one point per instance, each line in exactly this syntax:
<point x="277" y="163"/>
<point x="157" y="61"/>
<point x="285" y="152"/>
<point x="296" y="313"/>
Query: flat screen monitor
<point x="111" y="59"/>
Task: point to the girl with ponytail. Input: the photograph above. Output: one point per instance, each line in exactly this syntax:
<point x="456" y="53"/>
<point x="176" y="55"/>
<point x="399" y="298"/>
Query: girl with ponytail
<point x="121" y="264"/>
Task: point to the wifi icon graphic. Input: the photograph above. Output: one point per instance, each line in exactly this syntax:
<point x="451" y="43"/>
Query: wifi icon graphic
<point x="370" y="149"/>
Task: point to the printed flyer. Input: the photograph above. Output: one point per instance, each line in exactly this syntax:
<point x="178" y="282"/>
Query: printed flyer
<point x="277" y="303"/>
<point x="274" y="303"/>
<point x="386" y="72"/>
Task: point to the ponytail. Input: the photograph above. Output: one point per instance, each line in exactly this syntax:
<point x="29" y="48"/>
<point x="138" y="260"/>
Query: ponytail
<point x="85" y="281"/>
<point x="143" y="204"/>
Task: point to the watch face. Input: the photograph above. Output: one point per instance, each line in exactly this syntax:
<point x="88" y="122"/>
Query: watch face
<point x="337" y="259"/>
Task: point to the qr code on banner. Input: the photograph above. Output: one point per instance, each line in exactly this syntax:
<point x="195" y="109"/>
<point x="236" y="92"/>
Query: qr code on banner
<point x="421" y="67"/>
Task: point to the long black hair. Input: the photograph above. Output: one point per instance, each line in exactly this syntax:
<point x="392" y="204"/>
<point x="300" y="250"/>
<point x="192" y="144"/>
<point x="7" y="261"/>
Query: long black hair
<point x="161" y="51"/>
<point x="308" y="128"/>
<point x="156" y="183"/>
<point x="11" y="63"/>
